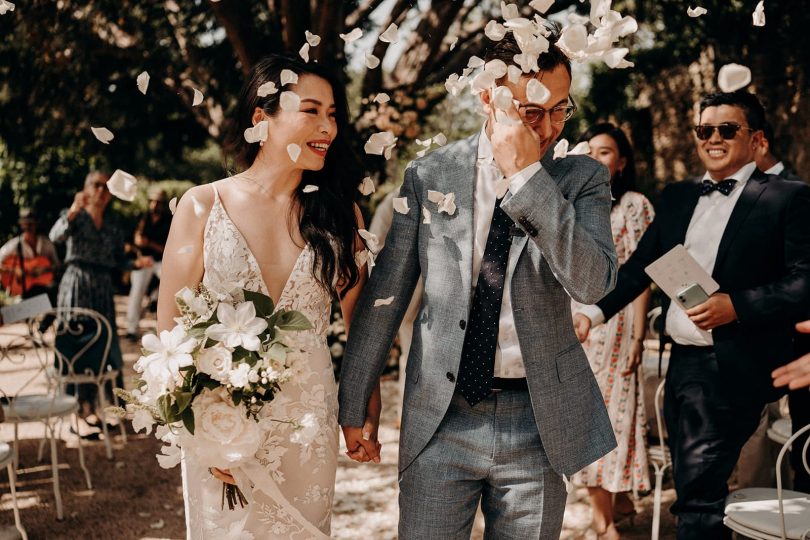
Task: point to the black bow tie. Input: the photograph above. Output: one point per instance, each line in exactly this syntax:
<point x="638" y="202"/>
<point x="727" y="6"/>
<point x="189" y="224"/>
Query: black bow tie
<point x="725" y="187"/>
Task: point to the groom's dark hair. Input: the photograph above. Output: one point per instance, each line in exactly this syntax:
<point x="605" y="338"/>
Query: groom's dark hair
<point x="506" y="49"/>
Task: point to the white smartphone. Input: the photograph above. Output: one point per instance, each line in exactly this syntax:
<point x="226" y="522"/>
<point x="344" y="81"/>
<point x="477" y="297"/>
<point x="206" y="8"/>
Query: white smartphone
<point x="691" y="296"/>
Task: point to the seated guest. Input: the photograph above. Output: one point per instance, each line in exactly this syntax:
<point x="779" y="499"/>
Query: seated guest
<point x="150" y="237"/>
<point x="750" y="231"/>
<point x="28" y="262"/>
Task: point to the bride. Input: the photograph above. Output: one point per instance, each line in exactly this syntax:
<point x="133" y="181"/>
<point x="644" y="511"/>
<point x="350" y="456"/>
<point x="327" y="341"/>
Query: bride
<point x="285" y="226"/>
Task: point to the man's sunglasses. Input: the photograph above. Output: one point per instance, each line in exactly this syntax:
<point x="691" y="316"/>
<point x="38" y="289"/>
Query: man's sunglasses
<point x="532" y="114"/>
<point x="727" y="130"/>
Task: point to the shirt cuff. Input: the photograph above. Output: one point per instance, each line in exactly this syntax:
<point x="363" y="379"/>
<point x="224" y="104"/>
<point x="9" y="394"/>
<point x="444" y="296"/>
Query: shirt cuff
<point x="593" y="313"/>
<point x="519" y="179"/>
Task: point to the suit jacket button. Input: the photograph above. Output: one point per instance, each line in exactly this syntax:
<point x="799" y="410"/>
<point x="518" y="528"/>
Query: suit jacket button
<point x="462" y="324"/>
<point x="451" y="377"/>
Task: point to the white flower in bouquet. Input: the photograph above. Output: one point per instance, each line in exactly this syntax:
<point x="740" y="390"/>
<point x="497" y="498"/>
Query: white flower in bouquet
<point x="215" y="361"/>
<point x="306" y="430"/>
<point x="224" y="434"/>
<point x="194" y="307"/>
<point x="160" y="369"/>
<point x="239" y="376"/>
<point x="238" y="327"/>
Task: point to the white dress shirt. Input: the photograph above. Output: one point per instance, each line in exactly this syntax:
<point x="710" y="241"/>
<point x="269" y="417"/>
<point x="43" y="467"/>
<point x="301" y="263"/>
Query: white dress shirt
<point x="508" y="358"/>
<point x="776" y="169"/>
<point x="703" y="236"/>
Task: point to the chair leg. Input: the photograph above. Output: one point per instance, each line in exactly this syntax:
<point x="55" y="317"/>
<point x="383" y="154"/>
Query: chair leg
<point x="122" y="424"/>
<point x="80" y="446"/>
<point x="16" y="459"/>
<point x="41" y="446"/>
<point x="103" y="419"/>
<point x="656" y="521"/>
<point x="12" y="481"/>
<point x="60" y="513"/>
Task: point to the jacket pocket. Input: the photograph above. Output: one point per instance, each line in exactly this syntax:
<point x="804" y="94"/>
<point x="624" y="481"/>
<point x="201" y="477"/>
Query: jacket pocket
<point x="571" y="361"/>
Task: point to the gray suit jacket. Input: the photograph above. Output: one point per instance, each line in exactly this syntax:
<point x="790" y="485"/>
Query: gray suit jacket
<point x="567" y="249"/>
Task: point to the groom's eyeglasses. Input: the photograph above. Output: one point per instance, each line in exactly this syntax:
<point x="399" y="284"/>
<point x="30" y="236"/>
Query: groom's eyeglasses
<point x="533" y="114"/>
<point x="727" y="130"/>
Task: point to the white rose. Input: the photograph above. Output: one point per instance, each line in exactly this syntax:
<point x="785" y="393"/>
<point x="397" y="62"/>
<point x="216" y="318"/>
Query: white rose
<point x="216" y="362"/>
<point x="239" y="376"/>
<point x="223" y="433"/>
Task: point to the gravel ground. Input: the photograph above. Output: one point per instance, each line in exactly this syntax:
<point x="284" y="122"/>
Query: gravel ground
<point x="133" y="498"/>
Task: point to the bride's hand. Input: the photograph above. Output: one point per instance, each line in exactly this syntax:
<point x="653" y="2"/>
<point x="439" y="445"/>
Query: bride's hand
<point x="222" y="474"/>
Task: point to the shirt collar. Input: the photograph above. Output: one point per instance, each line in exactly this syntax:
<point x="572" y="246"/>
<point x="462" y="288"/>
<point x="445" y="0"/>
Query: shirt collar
<point x="776" y="169"/>
<point x="741" y="176"/>
<point x="485" y="147"/>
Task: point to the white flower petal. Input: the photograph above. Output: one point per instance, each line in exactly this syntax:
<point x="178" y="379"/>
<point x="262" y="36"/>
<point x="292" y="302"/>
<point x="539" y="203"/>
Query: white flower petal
<point x="455" y="84"/>
<point x="293" y="150"/>
<point x="303" y="52"/>
<point x="198" y="97"/>
<point x="391" y="34"/>
<point x="759" y="14"/>
<point x="383" y="301"/>
<point x="614" y="57"/>
<point x="483" y="81"/>
<point x="372" y="242"/>
<point x="440" y="139"/>
<point x="475" y="62"/>
<point x="502" y="98"/>
<point x="513" y="73"/>
<point x="509" y="11"/>
<point x="5" y="7"/>
<point x="503" y="118"/>
<point x="732" y="77"/>
<point x="366" y="187"/>
<point x="696" y="11"/>
<point x="495" y="30"/>
<point x="580" y="149"/>
<point x="561" y="149"/>
<point x="401" y="205"/>
<point x="313" y="39"/>
<point x="425" y="216"/>
<point x="290" y="101"/>
<point x="537" y="92"/>
<point x="372" y="61"/>
<point x="123" y="185"/>
<point x="378" y="142"/>
<point x="453" y="42"/>
<point x="541" y="5"/>
<point x="288" y="76"/>
<point x="354" y="35"/>
<point x="173" y="205"/>
<point x="382" y="97"/>
<point x="266" y="89"/>
<point x="159" y="524"/>
<point x="497" y="67"/>
<point x="310" y="188"/>
<point x="102" y="134"/>
<point x="143" y="82"/>
<point x="574" y="38"/>
<point x="257" y="133"/>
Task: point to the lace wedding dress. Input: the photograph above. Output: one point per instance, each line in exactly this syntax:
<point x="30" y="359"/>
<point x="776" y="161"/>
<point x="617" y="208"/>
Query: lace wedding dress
<point x="290" y="484"/>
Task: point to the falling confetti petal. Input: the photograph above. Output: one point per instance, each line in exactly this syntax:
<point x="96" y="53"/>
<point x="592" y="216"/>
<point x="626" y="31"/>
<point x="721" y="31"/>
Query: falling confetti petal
<point x="425" y="216"/>
<point x="143" y="82"/>
<point x="303" y="52"/>
<point x="102" y="134"/>
<point x="580" y="149"/>
<point x="401" y="205"/>
<point x="371" y="239"/>
<point x="614" y="58"/>
<point x="382" y="97"/>
<point x="294" y="151"/>
<point x="366" y="187"/>
<point x="123" y="185"/>
<point x="290" y="101"/>
<point x="372" y="61"/>
<point x="445" y="203"/>
<point x="313" y="39"/>
<point x="266" y="89"/>
<point x="513" y="73"/>
<point x="453" y="43"/>
<point x="759" y="14"/>
<point x="173" y="205"/>
<point x="455" y="84"/>
<point x="696" y="12"/>
<point x="198" y="97"/>
<point x="257" y="133"/>
<point x="159" y="524"/>
<point x="537" y="92"/>
<point x="391" y="34"/>
<point x="503" y="118"/>
<point x="732" y="77"/>
<point x="5" y="7"/>
<point x="309" y="188"/>
<point x="383" y="301"/>
<point x="495" y="30"/>
<point x="199" y="208"/>
<point x="120" y="464"/>
<point x="354" y="35"/>
<point x="144" y="514"/>
<point x="378" y="142"/>
<point x="561" y="149"/>
<point x="509" y="11"/>
<point x="502" y="97"/>
<point x="475" y="62"/>
<point x="440" y="139"/>
<point x="541" y="5"/>
<point x="288" y="76"/>
<point x="497" y="68"/>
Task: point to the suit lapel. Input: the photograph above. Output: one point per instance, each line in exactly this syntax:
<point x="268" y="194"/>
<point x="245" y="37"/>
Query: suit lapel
<point x="751" y="191"/>
<point x="461" y="173"/>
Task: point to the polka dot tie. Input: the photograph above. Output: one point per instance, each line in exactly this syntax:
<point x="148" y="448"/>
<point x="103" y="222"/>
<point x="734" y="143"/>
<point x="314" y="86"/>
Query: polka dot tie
<point x="478" y="353"/>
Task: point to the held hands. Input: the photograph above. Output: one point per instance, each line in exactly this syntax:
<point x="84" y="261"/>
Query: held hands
<point x="515" y="145"/>
<point x="797" y="373"/>
<point x="582" y="326"/>
<point x="361" y="442"/>
<point x="716" y="311"/>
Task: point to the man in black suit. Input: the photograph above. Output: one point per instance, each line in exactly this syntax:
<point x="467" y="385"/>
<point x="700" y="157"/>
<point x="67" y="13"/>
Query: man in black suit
<point x="751" y="231"/>
<point x="767" y="162"/>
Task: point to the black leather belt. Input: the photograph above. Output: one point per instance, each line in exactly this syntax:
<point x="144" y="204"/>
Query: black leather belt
<point x="499" y="383"/>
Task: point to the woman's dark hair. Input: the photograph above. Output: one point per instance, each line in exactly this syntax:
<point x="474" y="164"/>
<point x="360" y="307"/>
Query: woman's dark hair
<point x="625" y="180"/>
<point x="326" y="217"/>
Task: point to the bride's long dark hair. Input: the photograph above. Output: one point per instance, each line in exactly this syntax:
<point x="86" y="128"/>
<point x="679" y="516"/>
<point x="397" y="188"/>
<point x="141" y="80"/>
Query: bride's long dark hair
<point x="326" y="217"/>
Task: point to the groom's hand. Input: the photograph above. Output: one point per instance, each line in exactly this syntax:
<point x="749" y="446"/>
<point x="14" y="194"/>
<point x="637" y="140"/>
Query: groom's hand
<point x="360" y="446"/>
<point x="515" y="145"/>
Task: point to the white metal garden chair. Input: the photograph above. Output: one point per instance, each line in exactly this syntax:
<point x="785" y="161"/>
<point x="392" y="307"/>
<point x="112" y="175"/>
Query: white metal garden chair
<point x="31" y="392"/>
<point x="772" y="514"/>
<point x="7" y="461"/>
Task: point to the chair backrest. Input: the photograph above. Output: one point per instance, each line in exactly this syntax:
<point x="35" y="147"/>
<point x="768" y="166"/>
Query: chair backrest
<point x="81" y="337"/>
<point x="25" y="367"/>
<point x="782" y="452"/>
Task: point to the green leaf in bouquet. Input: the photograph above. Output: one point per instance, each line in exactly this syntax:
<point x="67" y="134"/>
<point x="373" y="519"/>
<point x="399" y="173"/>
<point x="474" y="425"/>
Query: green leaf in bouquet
<point x="277" y="351"/>
<point x="188" y="420"/>
<point x="263" y="303"/>
<point x="236" y="396"/>
<point x="182" y="400"/>
<point x="289" y="321"/>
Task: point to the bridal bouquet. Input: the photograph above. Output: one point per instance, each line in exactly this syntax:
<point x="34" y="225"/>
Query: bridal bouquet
<point x="205" y="382"/>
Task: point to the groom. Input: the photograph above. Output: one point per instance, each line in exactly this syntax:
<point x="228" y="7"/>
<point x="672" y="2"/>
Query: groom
<point x="499" y="398"/>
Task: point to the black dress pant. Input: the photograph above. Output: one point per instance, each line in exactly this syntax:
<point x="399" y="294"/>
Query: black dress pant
<point x="708" y="424"/>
